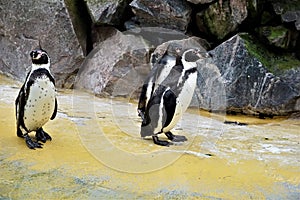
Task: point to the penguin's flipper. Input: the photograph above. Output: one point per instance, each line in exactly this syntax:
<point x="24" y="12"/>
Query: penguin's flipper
<point x="170" y="106"/>
<point x="19" y="107"/>
<point x="142" y="100"/>
<point x="42" y="136"/>
<point x="31" y="144"/>
<point x="157" y="141"/>
<point x="175" y="138"/>
<point x="55" y="110"/>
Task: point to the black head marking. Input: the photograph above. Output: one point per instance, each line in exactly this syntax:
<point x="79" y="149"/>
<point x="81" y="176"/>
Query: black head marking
<point x="39" y="56"/>
<point x="192" y="55"/>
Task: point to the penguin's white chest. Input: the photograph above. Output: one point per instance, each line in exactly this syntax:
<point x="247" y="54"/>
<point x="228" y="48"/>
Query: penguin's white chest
<point x="183" y="100"/>
<point x="40" y="104"/>
<point x="185" y="96"/>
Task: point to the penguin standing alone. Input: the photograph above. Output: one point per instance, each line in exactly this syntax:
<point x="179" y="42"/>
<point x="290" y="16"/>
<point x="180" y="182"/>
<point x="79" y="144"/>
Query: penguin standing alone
<point x="36" y="103"/>
<point x="162" y="103"/>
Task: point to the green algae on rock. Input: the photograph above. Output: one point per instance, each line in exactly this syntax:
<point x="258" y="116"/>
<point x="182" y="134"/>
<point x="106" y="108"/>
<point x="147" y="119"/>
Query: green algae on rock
<point x="277" y="63"/>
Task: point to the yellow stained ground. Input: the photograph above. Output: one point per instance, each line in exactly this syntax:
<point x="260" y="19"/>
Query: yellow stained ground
<point x="96" y="153"/>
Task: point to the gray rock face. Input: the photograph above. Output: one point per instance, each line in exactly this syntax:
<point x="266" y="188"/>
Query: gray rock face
<point x="250" y="87"/>
<point x="289" y="11"/>
<point x="220" y="19"/>
<point x="100" y="34"/>
<point x="279" y="36"/>
<point x="119" y="65"/>
<point x="23" y="24"/>
<point x="107" y="12"/>
<point x="155" y="36"/>
<point x="173" y="14"/>
<point x="200" y="1"/>
<point x="114" y="66"/>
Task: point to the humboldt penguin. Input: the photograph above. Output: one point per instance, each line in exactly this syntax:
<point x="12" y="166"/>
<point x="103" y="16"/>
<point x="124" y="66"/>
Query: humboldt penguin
<point x="167" y="94"/>
<point x="36" y="103"/>
<point x="156" y="76"/>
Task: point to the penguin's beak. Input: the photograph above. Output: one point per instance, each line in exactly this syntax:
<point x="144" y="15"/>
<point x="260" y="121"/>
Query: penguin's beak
<point x="203" y="54"/>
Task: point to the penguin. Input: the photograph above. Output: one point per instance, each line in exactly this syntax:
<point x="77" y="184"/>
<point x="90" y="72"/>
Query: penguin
<point x="169" y="98"/>
<point x="159" y="72"/>
<point x="36" y="103"/>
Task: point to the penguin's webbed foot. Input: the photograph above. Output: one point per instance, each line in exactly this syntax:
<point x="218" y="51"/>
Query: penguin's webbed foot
<point x="160" y="142"/>
<point x="31" y="144"/>
<point x="41" y="135"/>
<point x="175" y="138"/>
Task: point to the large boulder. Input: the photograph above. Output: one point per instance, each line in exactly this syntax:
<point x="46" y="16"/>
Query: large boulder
<point x="222" y="18"/>
<point x="114" y="66"/>
<point x="107" y="12"/>
<point x="23" y="24"/>
<point x="256" y="84"/>
<point x="289" y="11"/>
<point x="200" y="1"/>
<point x="279" y="36"/>
<point x="172" y="14"/>
<point x="155" y="36"/>
<point x="119" y="64"/>
<point x="277" y="28"/>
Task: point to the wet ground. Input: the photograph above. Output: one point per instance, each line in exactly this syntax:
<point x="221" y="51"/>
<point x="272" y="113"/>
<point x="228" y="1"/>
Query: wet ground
<point x="97" y="153"/>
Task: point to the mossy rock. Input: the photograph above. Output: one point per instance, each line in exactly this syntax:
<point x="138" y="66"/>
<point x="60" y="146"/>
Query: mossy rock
<point x="275" y="62"/>
<point x="277" y="36"/>
<point x="219" y="21"/>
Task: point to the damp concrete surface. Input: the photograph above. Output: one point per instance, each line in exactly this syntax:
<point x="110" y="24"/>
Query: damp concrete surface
<point x="96" y="152"/>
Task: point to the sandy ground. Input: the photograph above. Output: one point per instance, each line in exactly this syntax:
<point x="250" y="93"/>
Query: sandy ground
<point x="97" y="153"/>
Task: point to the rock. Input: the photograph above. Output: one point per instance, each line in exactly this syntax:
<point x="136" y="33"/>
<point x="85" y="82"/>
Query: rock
<point x="119" y="65"/>
<point x="279" y="36"/>
<point x="23" y="24"/>
<point x="210" y="93"/>
<point x="221" y="19"/>
<point x="107" y="12"/>
<point x="114" y="66"/>
<point x="155" y="36"/>
<point x="251" y="85"/>
<point x="200" y="1"/>
<point x="172" y="14"/>
<point x="81" y="22"/>
<point x="100" y="34"/>
<point x="289" y="11"/>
